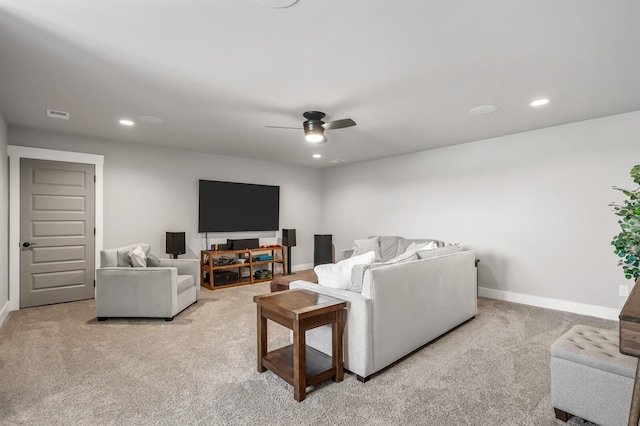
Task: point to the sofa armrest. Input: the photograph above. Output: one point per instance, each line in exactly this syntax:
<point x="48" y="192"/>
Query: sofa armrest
<point x="148" y="292"/>
<point x="346" y="295"/>
<point x="185" y="267"/>
<point x="159" y="274"/>
<point x="358" y="349"/>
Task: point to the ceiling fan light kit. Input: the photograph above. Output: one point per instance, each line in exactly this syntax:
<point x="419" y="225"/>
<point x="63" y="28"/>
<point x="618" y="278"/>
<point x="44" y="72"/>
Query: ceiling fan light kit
<point x="315" y="138"/>
<point x="313" y="131"/>
<point x="314" y="127"/>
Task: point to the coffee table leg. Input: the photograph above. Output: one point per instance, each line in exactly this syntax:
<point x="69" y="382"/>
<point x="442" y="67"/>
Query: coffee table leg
<point x="299" y="363"/>
<point x="336" y="334"/>
<point x="262" y="339"/>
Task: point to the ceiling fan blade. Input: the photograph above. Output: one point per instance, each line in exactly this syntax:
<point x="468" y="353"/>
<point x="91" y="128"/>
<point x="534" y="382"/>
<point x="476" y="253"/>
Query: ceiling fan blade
<point x="339" y="124"/>
<point x="280" y="127"/>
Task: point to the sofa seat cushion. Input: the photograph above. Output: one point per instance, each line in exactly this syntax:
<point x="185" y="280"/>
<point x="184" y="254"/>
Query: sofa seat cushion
<point x="184" y="282"/>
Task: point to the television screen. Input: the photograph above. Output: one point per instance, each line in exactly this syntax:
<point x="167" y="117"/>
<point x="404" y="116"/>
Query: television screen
<point x="229" y="207"/>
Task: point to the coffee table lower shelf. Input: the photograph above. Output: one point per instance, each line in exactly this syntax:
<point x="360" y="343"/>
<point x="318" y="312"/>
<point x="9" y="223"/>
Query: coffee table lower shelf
<point x="319" y="365"/>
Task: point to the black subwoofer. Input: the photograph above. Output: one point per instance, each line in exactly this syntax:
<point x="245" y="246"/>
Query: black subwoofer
<point x="322" y="249"/>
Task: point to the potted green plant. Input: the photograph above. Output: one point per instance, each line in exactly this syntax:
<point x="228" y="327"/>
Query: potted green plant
<point x="627" y="243"/>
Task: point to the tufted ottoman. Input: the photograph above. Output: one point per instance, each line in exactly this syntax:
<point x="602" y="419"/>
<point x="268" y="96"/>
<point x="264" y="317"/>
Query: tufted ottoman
<point x="590" y="378"/>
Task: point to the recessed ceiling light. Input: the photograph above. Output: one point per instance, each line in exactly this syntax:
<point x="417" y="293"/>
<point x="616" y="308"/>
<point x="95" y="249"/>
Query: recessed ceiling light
<point x="127" y="122"/>
<point x="317" y="156"/>
<point x="483" y="109"/>
<point x="539" y="102"/>
<point x="337" y="161"/>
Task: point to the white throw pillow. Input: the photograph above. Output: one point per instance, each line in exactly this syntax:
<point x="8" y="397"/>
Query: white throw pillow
<point x="338" y="275"/>
<point x="415" y="247"/>
<point x="365" y="246"/>
<point x="138" y="257"/>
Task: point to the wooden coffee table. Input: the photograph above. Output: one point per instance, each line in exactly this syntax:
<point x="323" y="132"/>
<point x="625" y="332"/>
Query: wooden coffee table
<point x="298" y="364"/>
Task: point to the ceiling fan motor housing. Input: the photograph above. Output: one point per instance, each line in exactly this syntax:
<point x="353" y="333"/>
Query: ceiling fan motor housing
<point x="313" y="126"/>
<point x="314" y="115"/>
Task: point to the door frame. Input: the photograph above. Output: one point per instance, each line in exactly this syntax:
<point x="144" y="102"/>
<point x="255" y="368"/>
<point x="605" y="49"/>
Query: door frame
<point x="16" y="153"/>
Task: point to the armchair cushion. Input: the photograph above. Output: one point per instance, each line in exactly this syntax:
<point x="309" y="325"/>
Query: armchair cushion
<point x="184" y="282"/>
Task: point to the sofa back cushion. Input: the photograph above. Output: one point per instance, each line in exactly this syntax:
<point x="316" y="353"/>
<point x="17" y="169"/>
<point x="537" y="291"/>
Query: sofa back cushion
<point x="358" y="271"/>
<point x="119" y="256"/>
<point x="440" y="251"/>
<point x="404" y="243"/>
<point x="388" y="247"/>
<point x="365" y="246"/>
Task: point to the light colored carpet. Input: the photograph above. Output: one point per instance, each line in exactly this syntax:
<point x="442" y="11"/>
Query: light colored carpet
<point x="58" y="365"/>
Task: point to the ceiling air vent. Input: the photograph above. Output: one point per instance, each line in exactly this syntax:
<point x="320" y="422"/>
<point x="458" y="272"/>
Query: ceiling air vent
<point x="52" y="113"/>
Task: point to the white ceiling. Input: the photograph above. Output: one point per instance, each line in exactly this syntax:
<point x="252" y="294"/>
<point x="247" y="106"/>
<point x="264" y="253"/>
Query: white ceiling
<point x="217" y="72"/>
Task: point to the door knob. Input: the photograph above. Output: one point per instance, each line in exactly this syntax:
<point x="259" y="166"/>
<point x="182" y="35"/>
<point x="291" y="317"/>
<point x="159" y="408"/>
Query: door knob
<point x="28" y="244"/>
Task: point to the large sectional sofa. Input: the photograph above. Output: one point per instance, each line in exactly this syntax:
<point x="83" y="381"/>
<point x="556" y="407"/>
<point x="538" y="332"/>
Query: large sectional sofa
<point x="399" y="302"/>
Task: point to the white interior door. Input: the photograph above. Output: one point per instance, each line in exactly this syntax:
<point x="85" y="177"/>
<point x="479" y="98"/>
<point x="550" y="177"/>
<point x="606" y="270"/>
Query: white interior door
<point x="57" y="226"/>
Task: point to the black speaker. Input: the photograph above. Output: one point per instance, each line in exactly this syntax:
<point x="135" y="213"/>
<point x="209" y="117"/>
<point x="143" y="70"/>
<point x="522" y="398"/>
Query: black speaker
<point x="289" y="237"/>
<point x="247" y="243"/>
<point x="175" y="244"/>
<point x="322" y="249"/>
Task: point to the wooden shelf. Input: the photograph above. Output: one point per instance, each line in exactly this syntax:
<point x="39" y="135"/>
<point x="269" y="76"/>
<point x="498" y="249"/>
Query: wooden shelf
<point x="207" y="269"/>
<point x="319" y="366"/>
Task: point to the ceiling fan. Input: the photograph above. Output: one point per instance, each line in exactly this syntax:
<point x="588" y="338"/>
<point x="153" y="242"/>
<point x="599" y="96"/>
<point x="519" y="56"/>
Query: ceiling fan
<point x="314" y="127"/>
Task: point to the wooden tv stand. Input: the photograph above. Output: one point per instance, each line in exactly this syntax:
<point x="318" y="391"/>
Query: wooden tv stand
<point x="207" y="268"/>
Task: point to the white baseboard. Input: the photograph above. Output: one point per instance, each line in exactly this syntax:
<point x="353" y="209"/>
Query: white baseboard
<point x="4" y="312"/>
<point x="545" y="302"/>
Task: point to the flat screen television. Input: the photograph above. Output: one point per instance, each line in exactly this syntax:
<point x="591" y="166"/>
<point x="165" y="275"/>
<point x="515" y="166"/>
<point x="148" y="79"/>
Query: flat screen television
<point x="232" y="207"/>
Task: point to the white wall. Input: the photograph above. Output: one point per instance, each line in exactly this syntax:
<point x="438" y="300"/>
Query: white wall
<point x="150" y="190"/>
<point x="533" y="205"/>
<point x="4" y="222"/>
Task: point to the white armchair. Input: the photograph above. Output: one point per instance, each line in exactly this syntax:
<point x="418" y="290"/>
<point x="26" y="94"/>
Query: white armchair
<point x="148" y="292"/>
